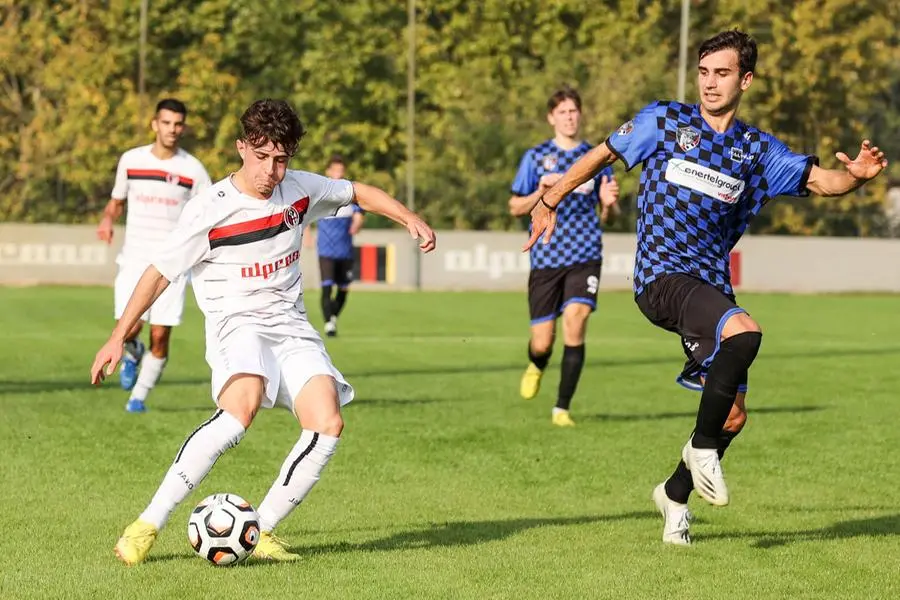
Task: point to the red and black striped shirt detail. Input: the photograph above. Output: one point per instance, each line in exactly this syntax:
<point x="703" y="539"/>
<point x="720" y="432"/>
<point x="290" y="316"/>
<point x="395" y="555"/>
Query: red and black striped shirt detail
<point x="160" y="175"/>
<point x="257" y="229"/>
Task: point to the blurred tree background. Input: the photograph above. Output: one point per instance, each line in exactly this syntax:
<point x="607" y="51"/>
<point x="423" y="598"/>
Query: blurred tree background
<point x="828" y="76"/>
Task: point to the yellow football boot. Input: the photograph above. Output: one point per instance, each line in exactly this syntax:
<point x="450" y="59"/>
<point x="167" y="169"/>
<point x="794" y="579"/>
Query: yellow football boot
<point x="531" y="382"/>
<point x="271" y="547"/>
<point x="135" y="543"/>
<point x="562" y="419"/>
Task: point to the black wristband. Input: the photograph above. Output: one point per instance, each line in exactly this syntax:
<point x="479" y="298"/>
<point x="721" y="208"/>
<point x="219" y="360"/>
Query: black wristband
<point x="547" y="206"/>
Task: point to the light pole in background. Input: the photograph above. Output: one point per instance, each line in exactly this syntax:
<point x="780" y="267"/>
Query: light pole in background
<point x="410" y="127"/>
<point x="683" y="48"/>
<point x="142" y="62"/>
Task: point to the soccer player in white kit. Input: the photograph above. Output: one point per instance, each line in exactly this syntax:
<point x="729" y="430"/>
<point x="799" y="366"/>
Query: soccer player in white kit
<point x="240" y="240"/>
<point x="155" y="182"/>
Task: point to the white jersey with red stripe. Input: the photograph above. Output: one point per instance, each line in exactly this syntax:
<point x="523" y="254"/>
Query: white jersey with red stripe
<point x="156" y="191"/>
<point x="243" y="253"/>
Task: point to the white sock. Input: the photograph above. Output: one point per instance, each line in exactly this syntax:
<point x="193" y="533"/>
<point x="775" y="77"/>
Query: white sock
<point x="151" y="369"/>
<point x="196" y="457"/>
<point x="298" y="475"/>
<point x="557" y="410"/>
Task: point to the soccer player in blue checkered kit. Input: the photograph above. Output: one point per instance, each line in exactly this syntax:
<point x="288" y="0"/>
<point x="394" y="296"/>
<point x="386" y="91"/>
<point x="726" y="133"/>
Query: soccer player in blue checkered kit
<point x="705" y="176"/>
<point x="565" y="274"/>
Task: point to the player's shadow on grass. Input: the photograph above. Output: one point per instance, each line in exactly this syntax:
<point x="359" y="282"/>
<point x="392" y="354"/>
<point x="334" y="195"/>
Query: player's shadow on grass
<point x="37" y="386"/>
<point x="685" y="414"/>
<point x="436" y="535"/>
<point x="673" y="360"/>
<point x="872" y="527"/>
<point x="464" y="533"/>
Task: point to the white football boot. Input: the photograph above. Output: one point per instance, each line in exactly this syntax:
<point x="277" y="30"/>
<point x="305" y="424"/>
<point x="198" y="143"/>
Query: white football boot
<point x="676" y="515"/>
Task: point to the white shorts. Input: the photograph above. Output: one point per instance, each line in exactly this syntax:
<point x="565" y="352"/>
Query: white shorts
<point x="168" y="307"/>
<point x="286" y="363"/>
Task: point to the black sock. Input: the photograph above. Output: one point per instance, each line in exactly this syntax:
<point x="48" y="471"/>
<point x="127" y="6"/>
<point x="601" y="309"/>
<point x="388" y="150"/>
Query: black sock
<point x="339" y="301"/>
<point x="728" y="369"/>
<point x="326" y="302"/>
<point x="572" y="363"/>
<point x="680" y="485"/>
<point x="539" y="360"/>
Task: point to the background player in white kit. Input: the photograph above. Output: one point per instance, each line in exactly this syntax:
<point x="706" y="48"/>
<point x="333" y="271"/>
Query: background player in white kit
<point x="241" y="242"/>
<point x="156" y="181"/>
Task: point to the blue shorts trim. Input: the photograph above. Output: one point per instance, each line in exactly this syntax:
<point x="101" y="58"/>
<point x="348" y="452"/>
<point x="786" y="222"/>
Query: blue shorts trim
<point x="721" y="325"/>
<point x="589" y="301"/>
<point x="327" y="282"/>
<point x="543" y="319"/>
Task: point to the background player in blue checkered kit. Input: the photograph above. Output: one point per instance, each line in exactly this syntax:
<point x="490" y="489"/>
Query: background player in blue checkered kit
<point x="705" y="176"/>
<point x="334" y="245"/>
<point x="565" y="273"/>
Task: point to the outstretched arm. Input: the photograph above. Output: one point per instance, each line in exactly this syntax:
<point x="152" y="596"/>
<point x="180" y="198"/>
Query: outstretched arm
<point x="836" y="182"/>
<point x="372" y="199"/>
<point x="150" y="286"/>
<point x="543" y="217"/>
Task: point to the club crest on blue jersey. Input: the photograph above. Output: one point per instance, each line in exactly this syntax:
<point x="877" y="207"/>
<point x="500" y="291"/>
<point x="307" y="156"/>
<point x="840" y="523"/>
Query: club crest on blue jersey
<point x="549" y="163"/>
<point x="626" y="128"/>
<point x="688" y="138"/>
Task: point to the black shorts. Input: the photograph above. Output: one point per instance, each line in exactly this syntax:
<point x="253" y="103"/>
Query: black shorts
<point x="550" y="290"/>
<point x="696" y="311"/>
<point x="336" y="271"/>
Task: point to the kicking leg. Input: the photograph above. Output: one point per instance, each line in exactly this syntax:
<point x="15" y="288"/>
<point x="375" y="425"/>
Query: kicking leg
<point x="238" y="403"/>
<point x="740" y="341"/>
<point x="317" y="408"/>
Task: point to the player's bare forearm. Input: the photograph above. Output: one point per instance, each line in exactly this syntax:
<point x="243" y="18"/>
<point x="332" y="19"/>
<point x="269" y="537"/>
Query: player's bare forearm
<point x="831" y="182"/>
<point x="609" y="214"/>
<point x="356" y="223"/>
<point x="113" y="209"/>
<point x="372" y="199"/>
<point x="149" y="287"/>
<point x="523" y="205"/>
<point x="584" y="168"/>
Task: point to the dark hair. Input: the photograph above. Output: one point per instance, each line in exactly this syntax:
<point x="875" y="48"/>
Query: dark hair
<point x="336" y="159"/>
<point x="561" y="95"/>
<point x="272" y="121"/>
<point x="736" y="40"/>
<point x="176" y="106"/>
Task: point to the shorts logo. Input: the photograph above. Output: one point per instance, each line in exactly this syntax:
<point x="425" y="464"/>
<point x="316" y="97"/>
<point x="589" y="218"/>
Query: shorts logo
<point x="626" y="128"/>
<point x="593" y="284"/>
<point x="549" y="162"/>
<point x="292" y="217"/>
<point x="688" y="138"/>
<point x="691" y="346"/>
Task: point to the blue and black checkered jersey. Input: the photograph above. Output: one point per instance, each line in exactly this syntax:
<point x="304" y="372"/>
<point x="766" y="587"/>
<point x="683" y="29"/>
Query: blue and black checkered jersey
<point x="334" y="239"/>
<point x="577" y="238"/>
<point x="700" y="189"/>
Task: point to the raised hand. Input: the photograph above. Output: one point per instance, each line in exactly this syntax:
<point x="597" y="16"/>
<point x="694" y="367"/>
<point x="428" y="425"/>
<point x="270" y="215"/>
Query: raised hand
<point x="868" y="163"/>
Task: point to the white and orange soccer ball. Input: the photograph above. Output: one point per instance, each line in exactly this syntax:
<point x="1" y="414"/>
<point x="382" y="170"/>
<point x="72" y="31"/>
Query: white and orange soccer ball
<point x="224" y="529"/>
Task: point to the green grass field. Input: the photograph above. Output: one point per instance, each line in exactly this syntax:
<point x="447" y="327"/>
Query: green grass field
<point x="446" y="484"/>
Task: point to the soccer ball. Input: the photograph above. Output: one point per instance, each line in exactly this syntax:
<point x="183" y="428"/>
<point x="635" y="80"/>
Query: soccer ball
<point x="223" y="529"/>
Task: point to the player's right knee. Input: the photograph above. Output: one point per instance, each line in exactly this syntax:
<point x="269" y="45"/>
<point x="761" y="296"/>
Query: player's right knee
<point x="242" y="396"/>
<point x="744" y="346"/>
